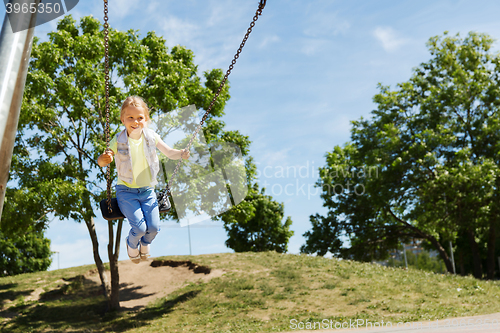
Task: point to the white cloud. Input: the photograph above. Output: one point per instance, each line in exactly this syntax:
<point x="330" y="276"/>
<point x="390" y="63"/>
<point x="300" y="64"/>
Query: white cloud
<point x="123" y="8"/>
<point x="340" y="124"/>
<point x="269" y="40"/>
<point x="324" y="24"/>
<point x="389" y="38"/>
<point x="72" y="241"/>
<point x="320" y="27"/>
<point x="223" y="12"/>
<point x="275" y="158"/>
<point x="75" y="252"/>
<point x="311" y="47"/>
<point x="213" y="38"/>
<point x="178" y="31"/>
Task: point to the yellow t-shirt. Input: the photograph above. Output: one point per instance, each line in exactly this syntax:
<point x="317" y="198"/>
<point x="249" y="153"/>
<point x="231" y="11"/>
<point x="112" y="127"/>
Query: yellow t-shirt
<point x="140" y="166"/>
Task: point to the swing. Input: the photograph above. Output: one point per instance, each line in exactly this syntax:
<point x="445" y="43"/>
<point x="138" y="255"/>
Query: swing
<point x="109" y="207"/>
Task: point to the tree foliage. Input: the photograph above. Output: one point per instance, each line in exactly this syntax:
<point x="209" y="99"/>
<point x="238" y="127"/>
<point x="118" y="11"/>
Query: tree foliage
<point x="25" y="253"/>
<point x="434" y="144"/>
<point x="256" y="224"/>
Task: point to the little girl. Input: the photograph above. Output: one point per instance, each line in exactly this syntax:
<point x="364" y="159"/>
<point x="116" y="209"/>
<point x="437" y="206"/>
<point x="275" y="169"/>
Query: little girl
<point x="137" y="166"/>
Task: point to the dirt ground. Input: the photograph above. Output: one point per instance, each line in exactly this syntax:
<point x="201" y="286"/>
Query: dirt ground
<point x="142" y="283"/>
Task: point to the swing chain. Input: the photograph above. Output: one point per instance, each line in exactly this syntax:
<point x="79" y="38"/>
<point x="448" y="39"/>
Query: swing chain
<point x="262" y="4"/>
<point x="106" y="86"/>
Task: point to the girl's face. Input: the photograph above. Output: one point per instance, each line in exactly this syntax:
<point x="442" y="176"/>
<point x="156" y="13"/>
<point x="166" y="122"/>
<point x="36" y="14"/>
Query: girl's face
<point x="134" y="119"/>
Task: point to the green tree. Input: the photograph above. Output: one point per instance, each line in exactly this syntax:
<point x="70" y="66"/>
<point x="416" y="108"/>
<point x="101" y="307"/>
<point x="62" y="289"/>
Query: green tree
<point x="256" y="224"/>
<point x="434" y="143"/>
<point x="62" y="121"/>
<point x="37" y="189"/>
<point x="24" y="253"/>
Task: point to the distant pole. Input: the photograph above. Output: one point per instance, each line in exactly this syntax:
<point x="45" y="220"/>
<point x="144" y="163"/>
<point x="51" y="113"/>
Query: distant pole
<point x="416" y="255"/>
<point x="57" y="252"/>
<point x="189" y="236"/>
<point x="452" y="259"/>
<point x="404" y="252"/>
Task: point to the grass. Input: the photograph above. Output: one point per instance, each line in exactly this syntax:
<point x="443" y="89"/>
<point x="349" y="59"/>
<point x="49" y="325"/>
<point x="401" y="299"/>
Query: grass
<point x="260" y="292"/>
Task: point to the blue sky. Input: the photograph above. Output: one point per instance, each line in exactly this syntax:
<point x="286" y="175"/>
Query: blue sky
<point x="308" y="69"/>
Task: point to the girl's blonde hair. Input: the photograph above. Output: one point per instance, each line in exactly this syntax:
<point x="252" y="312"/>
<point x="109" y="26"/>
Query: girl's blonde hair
<point x="136" y="101"/>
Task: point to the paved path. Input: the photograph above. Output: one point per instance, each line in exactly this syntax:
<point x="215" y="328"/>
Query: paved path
<point x="477" y="324"/>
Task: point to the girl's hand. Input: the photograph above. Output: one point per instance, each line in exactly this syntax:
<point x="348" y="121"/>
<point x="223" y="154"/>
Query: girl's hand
<point x="185" y="154"/>
<point x="105" y="158"/>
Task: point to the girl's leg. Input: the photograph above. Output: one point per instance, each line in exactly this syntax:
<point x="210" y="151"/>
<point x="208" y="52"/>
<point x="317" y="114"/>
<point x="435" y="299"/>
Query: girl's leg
<point x="151" y="212"/>
<point x="130" y="205"/>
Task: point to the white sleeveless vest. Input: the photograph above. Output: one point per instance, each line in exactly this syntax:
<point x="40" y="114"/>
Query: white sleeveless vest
<point x="124" y="160"/>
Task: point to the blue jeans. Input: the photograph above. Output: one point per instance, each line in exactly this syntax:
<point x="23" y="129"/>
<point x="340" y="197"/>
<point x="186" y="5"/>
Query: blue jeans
<point x="140" y="207"/>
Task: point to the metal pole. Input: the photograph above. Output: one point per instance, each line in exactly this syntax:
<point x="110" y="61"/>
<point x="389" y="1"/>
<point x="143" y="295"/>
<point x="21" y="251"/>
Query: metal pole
<point x="404" y="252"/>
<point x="452" y="259"/>
<point x="416" y="255"/>
<point x="57" y="252"/>
<point x="189" y="235"/>
<point x="15" y="50"/>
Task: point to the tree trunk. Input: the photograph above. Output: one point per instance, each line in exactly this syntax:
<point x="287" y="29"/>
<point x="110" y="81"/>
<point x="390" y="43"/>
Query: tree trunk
<point x="476" y="257"/>
<point x="114" y="299"/>
<point x="461" y="263"/>
<point x="97" y="258"/>
<point x="430" y="238"/>
<point x="490" y="261"/>
<point x="442" y="253"/>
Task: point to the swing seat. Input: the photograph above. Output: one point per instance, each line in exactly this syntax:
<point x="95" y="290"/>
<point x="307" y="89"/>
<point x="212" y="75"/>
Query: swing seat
<point x="116" y="214"/>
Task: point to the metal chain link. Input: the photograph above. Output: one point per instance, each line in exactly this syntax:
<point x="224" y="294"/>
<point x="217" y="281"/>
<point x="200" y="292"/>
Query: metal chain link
<point x="106" y="86"/>
<point x="262" y="4"/>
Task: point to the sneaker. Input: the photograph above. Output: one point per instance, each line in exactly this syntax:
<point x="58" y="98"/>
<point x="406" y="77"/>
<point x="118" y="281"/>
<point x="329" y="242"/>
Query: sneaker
<point x="144" y="252"/>
<point x="133" y="254"/>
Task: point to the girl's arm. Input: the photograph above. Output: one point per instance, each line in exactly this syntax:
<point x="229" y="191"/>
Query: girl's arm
<point x="173" y="154"/>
